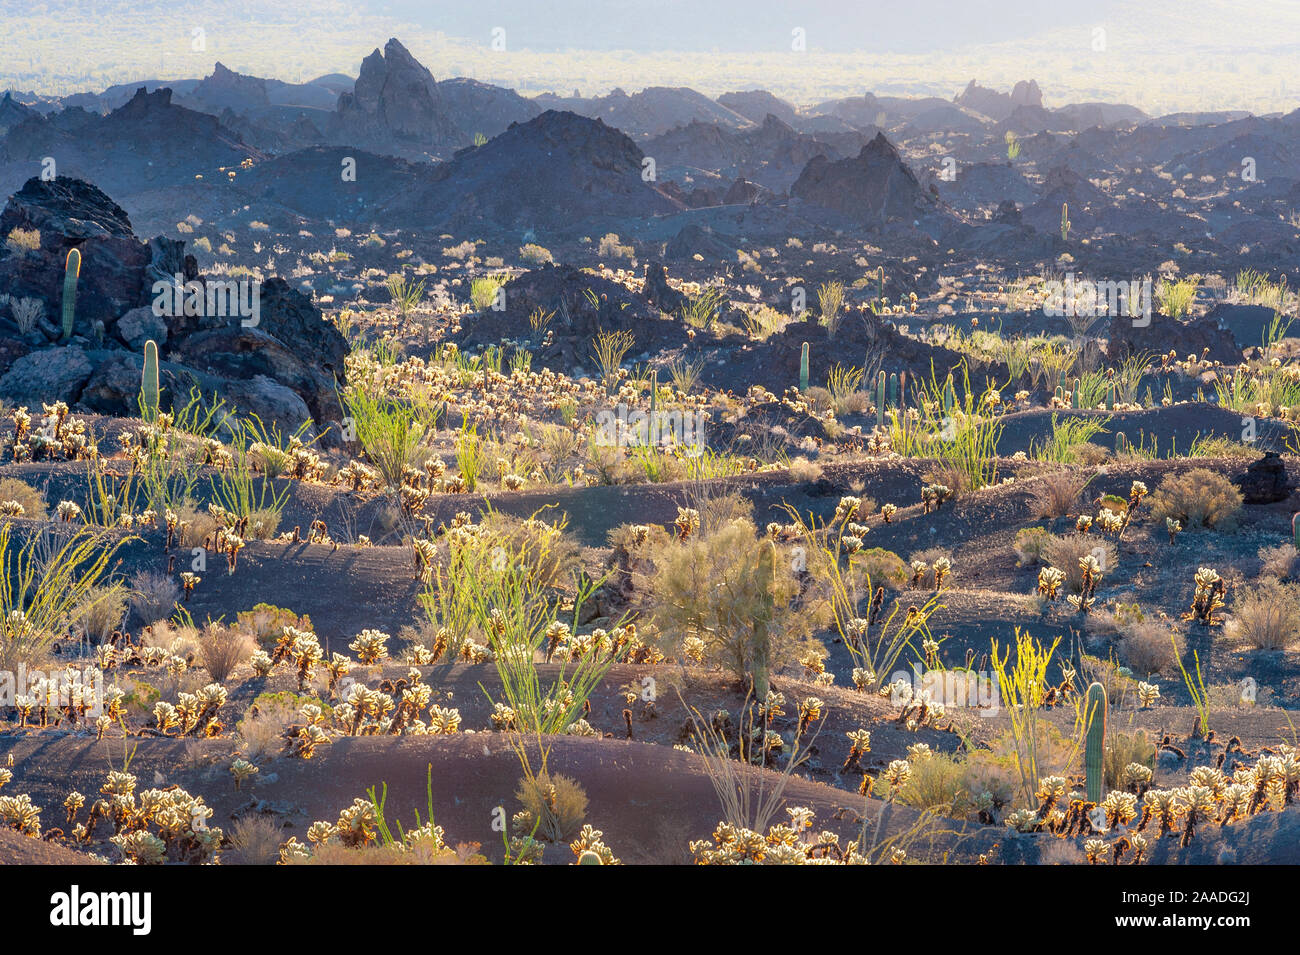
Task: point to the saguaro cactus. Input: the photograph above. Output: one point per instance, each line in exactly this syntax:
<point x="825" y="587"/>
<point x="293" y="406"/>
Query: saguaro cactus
<point x="893" y="391"/>
<point x="880" y="399"/>
<point x="1295" y="530"/>
<point x="803" y="368"/>
<point x="1065" y="221"/>
<point x="589" y="858"/>
<point x="761" y="649"/>
<point x="71" y="272"/>
<point x="149" y="382"/>
<point x="1095" y="742"/>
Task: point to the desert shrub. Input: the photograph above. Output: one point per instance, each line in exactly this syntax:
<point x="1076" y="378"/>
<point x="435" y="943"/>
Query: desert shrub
<point x="24" y="240"/>
<point x="555" y="805"/>
<point x="222" y="649"/>
<point x="101" y="612"/>
<point x="255" y="840"/>
<point x="266" y="622"/>
<point x="200" y="524"/>
<point x="541" y="547"/>
<point x="1267" y="617"/>
<point x="884" y="567"/>
<point x="1148" y="647"/>
<point x="708" y="587"/>
<point x="265" y="721"/>
<point x="611" y="248"/>
<point x="153" y="595"/>
<point x="534" y="254"/>
<point x="1057" y="492"/>
<point x="1122" y="749"/>
<point x="32" y="500"/>
<point x="263" y="524"/>
<point x="1030" y="543"/>
<point x="1064" y="554"/>
<point x="1197" y="498"/>
<point x="1279" y="561"/>
<point x="801" y="469"/>
<point x="939" y="782"/>
<point x="483" y="290"/>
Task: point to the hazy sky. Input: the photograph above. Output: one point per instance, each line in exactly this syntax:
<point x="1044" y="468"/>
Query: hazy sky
<point x="1161" y="55"/>
<point x="913" y="26"/>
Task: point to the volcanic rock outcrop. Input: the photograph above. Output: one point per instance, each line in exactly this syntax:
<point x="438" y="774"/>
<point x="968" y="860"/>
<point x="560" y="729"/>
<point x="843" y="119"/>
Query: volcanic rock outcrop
<point x="276" y="355"/>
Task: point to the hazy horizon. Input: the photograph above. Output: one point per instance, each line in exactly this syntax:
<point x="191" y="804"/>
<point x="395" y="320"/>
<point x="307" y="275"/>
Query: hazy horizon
<point x="1162" y="57"/>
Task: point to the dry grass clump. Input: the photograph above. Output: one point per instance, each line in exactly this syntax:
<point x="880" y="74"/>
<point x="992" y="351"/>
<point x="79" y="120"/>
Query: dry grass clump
<point x="801" y="469"/>
<point x="101" y="612"/>
<point x="197" y="524"/>
<point x="32" y="501"/>
<point x="1030" y="543"/>
<point x="1148" y="647"/>
<point x="255" y="840"/>
<point x="1268" y="616"/>
<point x="1198" y="498"/>
<point x="1123" y="749"/>
<point x="153" y="595"/>
<point x="222" y="649"/>
<point x="1280" y="561"/>
<point x="1064" y="553"/>
<point x="1057" y="492"/>
<point x="555" y="805"/>
<point x="883" y="567"/>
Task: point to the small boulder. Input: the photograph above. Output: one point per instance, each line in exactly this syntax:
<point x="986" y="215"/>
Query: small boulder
<point x="48" y="375"/>
<point x="141" y="325"/>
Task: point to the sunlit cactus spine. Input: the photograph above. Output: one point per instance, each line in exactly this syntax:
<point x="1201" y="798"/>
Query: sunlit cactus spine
<point x="1094" y="744"/>
<point x="71" y="272"/>
<point x="149" y="382"/>
<point x="803" y="368"/>
<point x="762" y="645"/>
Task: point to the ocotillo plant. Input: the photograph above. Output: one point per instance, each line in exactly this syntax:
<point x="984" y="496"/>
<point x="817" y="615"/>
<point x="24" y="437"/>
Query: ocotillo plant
<point x="761" y="648"/>
<point x="71" y="272"/>
<point x="803" y="369"/>
<point x="1095" y="742"/>
<point x="149" y="382"/>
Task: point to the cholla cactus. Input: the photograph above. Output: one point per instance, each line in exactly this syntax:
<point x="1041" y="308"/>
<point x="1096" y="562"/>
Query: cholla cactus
<point x="1087" y="595"/>
<point x="68" y="511"/>
<point x="1136" y="778"/>
<point x="1049" y="582"/>
<point x="1173" y="527"/>
<point x="261" y="663"/>
<point x="18" y="812"/>
<point x="687" y="523"/>
<point x="1120" y="808"/>
<point x="1083" y="523"/>
<point x="847" y="508"/>
<point x="1096" y="851"/>
<point x="141" y="847"/>
<point x="357" y="825"/>
<point x="189" y="581"/>
<point x="888" y="511"/>
<point x="293" y="851"/>
<point x="1147" y="694"/>
<point x="896" y="774"/>
<point x="1194" y="804"/>
<point x="242" y="769"/>
<point x="942" y="568"/>
<point x="919" y="569"/>
<point x="443" y="720"/>
<point x="1208" y="598"/>
<point x="370" y="646"/>
<point x="589" y="840"/>
<point x="1162" y="806"/>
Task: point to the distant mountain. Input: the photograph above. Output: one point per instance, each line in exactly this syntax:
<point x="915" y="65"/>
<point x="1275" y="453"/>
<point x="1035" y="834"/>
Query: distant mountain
<point x="652" y="111"/>
<point x="555" y="173"/>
